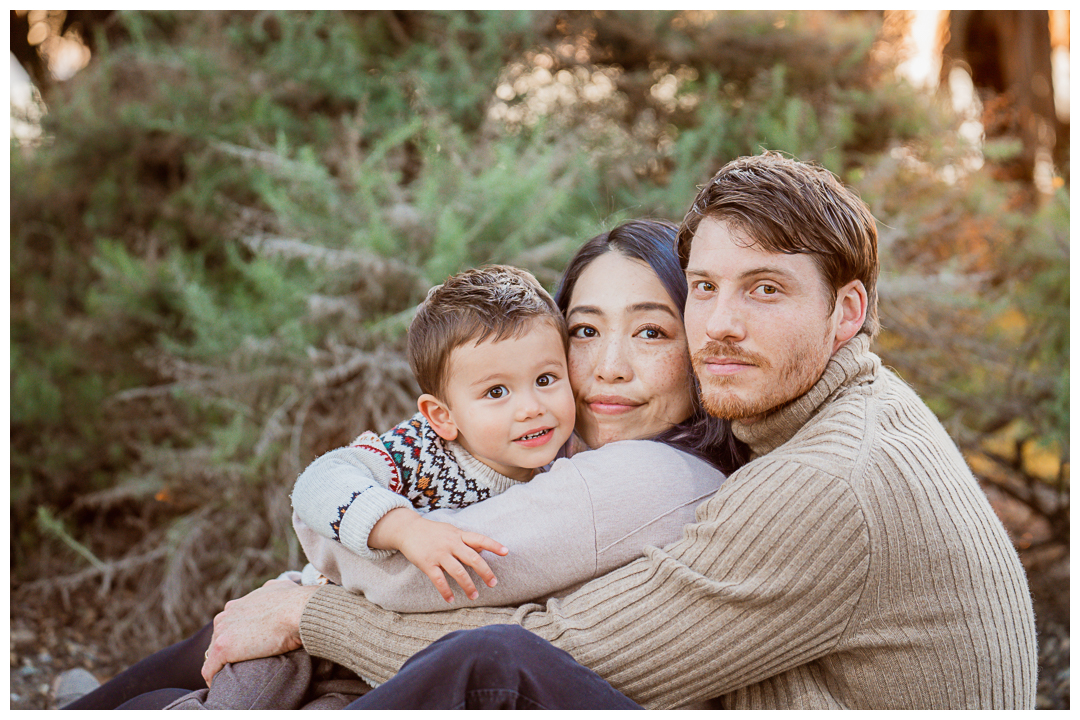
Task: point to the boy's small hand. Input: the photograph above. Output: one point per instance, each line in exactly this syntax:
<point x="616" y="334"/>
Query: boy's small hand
<point x="436" y="548"/>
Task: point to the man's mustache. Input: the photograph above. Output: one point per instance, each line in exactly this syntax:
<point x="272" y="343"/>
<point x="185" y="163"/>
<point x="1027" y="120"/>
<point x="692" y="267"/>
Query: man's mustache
<point x="720" y="349"/>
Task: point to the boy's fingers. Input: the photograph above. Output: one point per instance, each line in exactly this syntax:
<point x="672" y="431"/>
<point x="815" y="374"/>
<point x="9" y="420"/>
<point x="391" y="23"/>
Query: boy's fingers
<point x="439" y="581"/>
<point x="458" y="572"/>
<point x="482" y="542"/>
<point x="472" y="558"/>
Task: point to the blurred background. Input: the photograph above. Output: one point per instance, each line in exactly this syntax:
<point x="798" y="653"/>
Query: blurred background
<point x="221" y="222"/>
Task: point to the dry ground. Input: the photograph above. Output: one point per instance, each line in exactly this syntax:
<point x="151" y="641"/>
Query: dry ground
<point x="48" y="639"/>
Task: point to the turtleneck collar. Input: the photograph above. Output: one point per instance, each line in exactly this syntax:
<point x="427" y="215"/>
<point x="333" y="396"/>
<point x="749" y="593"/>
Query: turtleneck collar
<point x="483" y="474"/>
<point x="851" y="364"/>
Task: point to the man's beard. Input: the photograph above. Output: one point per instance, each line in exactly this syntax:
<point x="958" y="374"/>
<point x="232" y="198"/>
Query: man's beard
<point x="775" y="388"/>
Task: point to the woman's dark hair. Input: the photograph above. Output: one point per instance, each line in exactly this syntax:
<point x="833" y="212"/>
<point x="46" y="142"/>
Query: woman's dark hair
<point x="654" y="242"/>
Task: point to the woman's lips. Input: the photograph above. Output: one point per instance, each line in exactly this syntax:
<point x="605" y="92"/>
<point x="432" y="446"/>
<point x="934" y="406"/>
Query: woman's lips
<point x="611" y="404"/>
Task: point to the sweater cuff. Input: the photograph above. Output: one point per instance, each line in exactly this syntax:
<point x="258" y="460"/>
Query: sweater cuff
<point x="366" y="510"/>
<point x="324" y="632"/>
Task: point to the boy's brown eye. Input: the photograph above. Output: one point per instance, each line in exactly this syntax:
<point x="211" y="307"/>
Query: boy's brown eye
<point x="496" y="392"/>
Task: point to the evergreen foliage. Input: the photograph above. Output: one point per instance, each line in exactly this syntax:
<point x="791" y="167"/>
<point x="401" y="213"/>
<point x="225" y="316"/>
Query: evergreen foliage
<point x="216" y="251"/>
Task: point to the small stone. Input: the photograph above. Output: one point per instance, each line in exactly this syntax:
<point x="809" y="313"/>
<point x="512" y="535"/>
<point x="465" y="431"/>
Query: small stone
<point x="72" y="684"/>
<point x="44" y="657"/>
<point x="26" y="670"/>
<point x="16" y="697"/>
<point x="21" y="636"/>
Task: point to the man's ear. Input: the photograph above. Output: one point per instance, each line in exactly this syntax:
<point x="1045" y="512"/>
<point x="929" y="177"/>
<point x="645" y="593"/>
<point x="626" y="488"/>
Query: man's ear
<point x="438" y="414"/>
<point x="850" y="312"/>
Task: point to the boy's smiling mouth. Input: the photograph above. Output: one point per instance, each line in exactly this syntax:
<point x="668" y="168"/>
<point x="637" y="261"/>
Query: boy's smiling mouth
<point x="536" y="437"/>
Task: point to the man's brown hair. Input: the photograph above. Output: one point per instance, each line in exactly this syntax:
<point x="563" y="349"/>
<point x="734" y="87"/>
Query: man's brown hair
<point x="495" y="301"/>
<point x="792" y="207"/>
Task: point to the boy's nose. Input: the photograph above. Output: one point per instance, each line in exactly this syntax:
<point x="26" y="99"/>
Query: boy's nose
<point x="529" y="406"/>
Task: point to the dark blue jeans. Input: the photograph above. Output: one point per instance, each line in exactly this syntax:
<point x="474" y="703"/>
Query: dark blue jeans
<point x="495" y="667"/>
<point x="177" y="666"/>
<point x="499" y="667"/>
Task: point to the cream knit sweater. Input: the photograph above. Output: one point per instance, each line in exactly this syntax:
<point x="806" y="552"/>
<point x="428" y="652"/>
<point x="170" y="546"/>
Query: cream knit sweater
<point x="853" y="563"/>
<point x="586" y="516"/>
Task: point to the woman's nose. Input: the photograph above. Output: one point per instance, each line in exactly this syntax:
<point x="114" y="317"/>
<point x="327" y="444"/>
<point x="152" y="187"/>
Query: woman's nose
<point x="613" y="362"/>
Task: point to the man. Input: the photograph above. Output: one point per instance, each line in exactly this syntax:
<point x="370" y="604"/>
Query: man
<point x="853" y="562"/>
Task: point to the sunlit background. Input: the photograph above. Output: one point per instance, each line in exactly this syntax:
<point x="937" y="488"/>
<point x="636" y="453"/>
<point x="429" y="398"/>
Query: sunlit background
<point x="529" y="91"/>
<point x="221" y="222"/>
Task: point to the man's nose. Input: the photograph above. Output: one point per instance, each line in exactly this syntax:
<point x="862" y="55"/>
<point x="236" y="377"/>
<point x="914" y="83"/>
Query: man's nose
<point x="725" y="321"/>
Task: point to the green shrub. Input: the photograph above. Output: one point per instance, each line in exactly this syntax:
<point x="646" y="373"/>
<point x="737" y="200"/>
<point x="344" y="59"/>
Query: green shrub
<point x="216" y="252"/>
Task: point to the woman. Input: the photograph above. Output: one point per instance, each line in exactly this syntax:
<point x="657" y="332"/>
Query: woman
<point x="628" y="367"/>
<point x="623" y="294"/>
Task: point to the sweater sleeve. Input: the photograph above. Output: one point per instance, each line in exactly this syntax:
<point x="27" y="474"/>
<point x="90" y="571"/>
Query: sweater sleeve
<point x="584" y="517"/>
<point x="342" y="494"/>
<point x="766" y="581"/>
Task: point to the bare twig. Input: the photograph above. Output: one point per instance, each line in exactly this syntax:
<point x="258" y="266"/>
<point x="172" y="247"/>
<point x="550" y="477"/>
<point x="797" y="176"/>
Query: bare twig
<point x="357" y="364"/>
<point x="297" y="433"/>
<point x="264" y="158"/>
<point x="108" y="569"/>
<point x="274" y="427"/>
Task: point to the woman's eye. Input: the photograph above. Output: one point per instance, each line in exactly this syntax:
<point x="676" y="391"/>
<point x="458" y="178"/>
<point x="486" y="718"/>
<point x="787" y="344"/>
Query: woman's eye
<point x="651" y="333"/>
<point x="496" y="392"/>
<point x="545" y="379"/>
<point x="583" y="331"/>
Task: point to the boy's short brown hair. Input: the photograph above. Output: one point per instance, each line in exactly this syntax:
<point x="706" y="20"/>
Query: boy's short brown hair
<point x="495" y="301"/>
<point x="792" y="207"/>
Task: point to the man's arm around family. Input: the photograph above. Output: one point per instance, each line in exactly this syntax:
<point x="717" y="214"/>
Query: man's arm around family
<point x="827" y="572"/>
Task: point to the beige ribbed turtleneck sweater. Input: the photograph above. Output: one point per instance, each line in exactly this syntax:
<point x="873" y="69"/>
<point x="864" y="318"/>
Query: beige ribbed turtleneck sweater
<point x="854" y="562"/>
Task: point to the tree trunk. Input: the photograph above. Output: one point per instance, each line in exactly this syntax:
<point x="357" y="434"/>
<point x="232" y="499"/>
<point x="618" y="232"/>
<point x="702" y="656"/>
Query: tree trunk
<point x="1008" y="52"/>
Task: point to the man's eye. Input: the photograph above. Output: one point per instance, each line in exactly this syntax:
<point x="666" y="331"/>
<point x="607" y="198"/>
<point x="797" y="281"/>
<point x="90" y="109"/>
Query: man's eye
<point x="496" y="392"/>
<point x="705" y="286"/>
<point x="769" y="289"/>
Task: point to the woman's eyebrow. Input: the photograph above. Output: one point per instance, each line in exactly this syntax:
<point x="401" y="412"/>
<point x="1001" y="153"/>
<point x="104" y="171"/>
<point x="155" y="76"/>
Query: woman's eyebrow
<point x="650" y="306"/>
<point x="587" y="309"/>
<point x="635" y="308"/>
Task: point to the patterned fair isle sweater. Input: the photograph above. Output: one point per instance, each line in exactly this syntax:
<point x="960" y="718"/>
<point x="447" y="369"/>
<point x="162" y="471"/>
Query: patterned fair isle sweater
<point x="343" y="493"/>
<point x="854" y="562"/>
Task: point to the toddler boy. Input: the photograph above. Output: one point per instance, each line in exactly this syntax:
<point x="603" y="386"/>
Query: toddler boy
<point x="488" y="349"/>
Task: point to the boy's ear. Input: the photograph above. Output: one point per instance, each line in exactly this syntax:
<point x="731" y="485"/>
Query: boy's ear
<point x="438" y="414"/>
